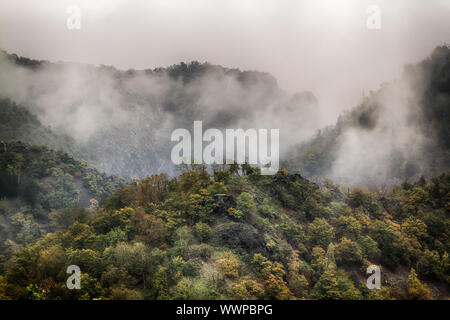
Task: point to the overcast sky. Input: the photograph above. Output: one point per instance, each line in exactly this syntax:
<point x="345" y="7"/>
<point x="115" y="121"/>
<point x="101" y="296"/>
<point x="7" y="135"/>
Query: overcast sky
<point x="320" y="45"/>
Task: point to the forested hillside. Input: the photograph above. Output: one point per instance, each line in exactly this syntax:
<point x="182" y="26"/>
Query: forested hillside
<point x="237" y="234"/>
<point x="36" y="182"/>
<point x="221" y="232"/>
<point x="123" y="120"/>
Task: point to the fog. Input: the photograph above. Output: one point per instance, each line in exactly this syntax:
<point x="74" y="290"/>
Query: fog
<point x="367" y="154"/>
<point x="126" y="118"/>
<point x="322" y="46"/>
<point x="316" y="59"/>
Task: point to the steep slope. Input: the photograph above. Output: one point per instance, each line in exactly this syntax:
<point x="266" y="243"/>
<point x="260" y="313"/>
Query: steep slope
<point x="221" y="236"/>
<point x="36" y="181"/>
<point x="399" y="132"/>
<point x="25" y="167"/>
<point x="18" y="124"/>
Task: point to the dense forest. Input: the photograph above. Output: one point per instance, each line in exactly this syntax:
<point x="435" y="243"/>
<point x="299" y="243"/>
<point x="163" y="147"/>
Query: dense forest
<point x="225" y="231"/>
<point x="36" y="182"/>
<point x="237" y="234"/>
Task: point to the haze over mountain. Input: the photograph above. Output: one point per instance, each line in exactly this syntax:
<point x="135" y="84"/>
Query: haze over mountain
<point x="399" y="132"/>
<point x="127" y="117"/>
<point x="321" y="46"/>
<point x="123" y="120"/>
<point x="86" y="177"/>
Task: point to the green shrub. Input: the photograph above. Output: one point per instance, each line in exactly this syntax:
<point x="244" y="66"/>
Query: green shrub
<point x="202" y="231"/>
<point x="246" y="203"/>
